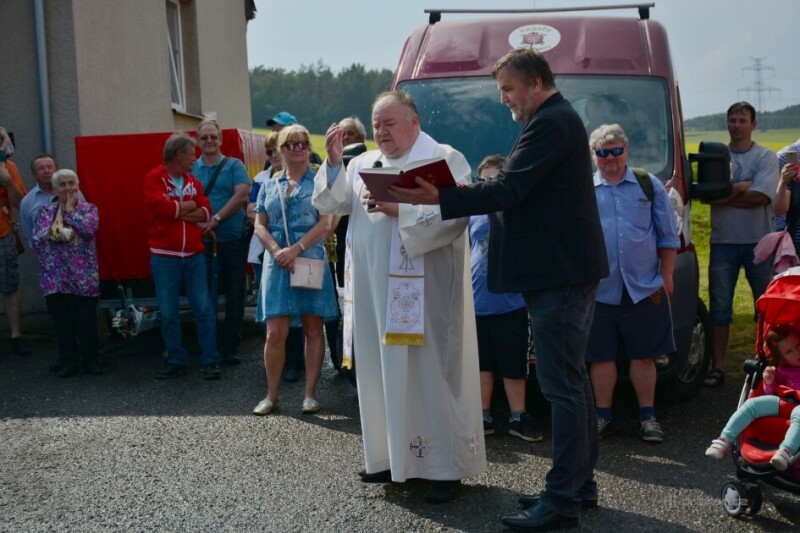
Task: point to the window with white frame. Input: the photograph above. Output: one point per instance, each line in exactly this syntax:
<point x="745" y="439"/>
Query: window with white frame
<point x="175" y="42"/>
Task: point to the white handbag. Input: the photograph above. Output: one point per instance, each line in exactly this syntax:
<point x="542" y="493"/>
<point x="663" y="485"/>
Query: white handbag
<point x="308" y="273"/>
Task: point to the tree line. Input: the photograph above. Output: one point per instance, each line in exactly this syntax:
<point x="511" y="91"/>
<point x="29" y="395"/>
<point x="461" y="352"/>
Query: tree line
<point x="315" y="95"/>
<point x="786" y="118"/>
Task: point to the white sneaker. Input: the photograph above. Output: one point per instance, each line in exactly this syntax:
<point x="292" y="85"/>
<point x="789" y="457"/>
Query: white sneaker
<point x="780" y="461"/>
<point x="264" y="407"/>
<point x="719" y="448"/>
<point x="310" y="405"/>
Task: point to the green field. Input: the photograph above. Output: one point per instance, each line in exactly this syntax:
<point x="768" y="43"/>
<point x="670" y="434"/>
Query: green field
<point x="773" y="139"/>
<point x="317" y="142"/>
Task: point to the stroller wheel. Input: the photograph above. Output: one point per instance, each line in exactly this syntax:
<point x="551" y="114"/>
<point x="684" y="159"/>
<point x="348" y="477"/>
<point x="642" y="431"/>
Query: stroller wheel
<point x="754" y="498"/>
<point x="734" y="499"/>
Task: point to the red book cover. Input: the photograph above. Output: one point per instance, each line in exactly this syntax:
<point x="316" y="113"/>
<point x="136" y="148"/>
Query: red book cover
<point x="378" y="180"/>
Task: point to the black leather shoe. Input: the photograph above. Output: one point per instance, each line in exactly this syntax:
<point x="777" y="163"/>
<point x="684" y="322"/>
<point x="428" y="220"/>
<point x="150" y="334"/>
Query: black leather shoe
<point x="539" y="518"/>
<point x="442" y="491"/>
<point x="230" y="360"/>
<point x="529" y="501"/>
<point x="171" y="371"/>
<point x="93" y="369"/>
<point x="211" y="371"/>
<point x="384" y="476"/>
<point x="67" y="371"/>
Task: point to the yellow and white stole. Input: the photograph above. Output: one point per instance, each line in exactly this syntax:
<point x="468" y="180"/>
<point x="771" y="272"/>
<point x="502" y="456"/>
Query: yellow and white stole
<point x="405" y="306"/>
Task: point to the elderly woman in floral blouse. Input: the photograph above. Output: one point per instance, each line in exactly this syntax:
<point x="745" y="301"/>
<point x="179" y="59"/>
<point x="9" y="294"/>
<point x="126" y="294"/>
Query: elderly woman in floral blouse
<point x="64" y="241"/>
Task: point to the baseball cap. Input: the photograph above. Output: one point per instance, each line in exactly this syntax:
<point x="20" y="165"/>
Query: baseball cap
<point x="283" y="118"/>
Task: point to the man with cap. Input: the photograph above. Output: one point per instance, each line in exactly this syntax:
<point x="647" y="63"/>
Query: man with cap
<point x="281" y="120"/>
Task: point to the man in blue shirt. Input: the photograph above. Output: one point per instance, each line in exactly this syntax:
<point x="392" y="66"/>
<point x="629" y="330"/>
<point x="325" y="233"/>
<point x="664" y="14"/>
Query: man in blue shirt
<point x="228" y="196"/>
<point x="632" y="315"/>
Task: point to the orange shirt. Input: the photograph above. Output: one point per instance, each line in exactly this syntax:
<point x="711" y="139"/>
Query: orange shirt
<point x="6" y="210"/>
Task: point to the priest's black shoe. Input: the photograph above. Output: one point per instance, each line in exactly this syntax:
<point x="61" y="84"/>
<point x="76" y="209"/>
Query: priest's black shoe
<point x="442" y="491"/>
<point x="529" y="501"/>
<point x="539" y="518"/>
<point x="384" y="476"/>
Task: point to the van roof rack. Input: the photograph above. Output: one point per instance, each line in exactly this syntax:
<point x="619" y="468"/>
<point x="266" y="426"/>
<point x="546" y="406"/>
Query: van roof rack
<point x="435" y="15"/>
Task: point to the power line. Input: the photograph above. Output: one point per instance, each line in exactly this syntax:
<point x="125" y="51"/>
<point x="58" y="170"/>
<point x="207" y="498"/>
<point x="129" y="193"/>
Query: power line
<point x="758" y="87"/>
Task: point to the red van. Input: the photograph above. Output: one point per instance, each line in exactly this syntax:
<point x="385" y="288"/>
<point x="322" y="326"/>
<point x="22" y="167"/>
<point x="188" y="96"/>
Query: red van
<point x="612" y="69"/>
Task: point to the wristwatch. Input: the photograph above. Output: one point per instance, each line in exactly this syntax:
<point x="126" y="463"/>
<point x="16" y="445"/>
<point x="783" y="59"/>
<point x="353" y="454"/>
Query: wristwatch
<point x="218" y="218"/>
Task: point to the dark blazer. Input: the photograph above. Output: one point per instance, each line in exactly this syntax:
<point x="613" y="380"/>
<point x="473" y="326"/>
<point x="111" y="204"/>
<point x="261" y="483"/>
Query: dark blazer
<point x="545" y="230"/>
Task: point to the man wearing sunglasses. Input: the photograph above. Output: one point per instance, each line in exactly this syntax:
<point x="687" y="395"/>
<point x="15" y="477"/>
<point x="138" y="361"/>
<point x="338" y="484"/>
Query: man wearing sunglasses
<point x="226" y="183"/>
<point x="632" y="314"/>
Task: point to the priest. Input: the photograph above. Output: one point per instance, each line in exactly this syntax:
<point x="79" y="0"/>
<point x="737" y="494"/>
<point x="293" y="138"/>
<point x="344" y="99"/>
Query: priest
<point x="408" y="312"/>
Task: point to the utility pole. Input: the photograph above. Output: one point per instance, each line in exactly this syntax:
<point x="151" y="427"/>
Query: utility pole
<point x="758" y="87"/>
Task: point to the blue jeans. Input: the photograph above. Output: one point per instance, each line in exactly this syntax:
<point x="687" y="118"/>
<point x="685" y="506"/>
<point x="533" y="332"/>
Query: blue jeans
<point x="168" y="275"/>
<point x="560" y="319"/>
<point x="724" y="264"/>
<point x="231" y="262"/>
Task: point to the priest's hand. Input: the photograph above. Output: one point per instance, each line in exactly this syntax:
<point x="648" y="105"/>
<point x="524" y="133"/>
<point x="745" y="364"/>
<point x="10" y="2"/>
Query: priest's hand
<point x="334" y="145"/>
<point x="426" y="193"/>
<point x="390" y="209"/>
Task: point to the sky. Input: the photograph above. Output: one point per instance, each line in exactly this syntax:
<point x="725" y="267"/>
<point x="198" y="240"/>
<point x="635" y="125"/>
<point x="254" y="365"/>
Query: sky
<point x="713" y="42"/>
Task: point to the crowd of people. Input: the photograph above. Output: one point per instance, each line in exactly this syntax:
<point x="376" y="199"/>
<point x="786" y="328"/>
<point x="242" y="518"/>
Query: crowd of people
<point x="440" y="288"/>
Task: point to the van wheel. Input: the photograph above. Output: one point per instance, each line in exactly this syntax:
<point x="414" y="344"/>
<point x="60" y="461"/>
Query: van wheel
<point x="687" y="381"/>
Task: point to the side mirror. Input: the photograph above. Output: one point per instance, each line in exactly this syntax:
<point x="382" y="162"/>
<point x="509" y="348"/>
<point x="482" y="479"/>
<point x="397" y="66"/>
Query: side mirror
<point x="713" y="172"/>
<point x="352" y="150"/>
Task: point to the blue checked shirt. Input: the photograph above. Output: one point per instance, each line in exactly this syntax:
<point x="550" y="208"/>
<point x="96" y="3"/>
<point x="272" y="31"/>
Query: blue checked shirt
<point x="633" y="231"/>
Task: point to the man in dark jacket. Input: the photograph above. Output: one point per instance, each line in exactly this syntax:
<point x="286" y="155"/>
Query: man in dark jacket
<point x="546" y="242"/>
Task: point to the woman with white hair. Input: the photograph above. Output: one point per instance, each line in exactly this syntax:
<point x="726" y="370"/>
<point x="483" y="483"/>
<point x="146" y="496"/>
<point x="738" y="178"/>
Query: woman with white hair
<point x="64" y="241"/>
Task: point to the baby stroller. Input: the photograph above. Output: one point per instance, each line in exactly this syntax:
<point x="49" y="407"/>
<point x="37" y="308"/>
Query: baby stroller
<point x="780" y="304"/>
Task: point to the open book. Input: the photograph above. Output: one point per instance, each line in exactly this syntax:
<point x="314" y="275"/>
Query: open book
<point x="434" y="170"/>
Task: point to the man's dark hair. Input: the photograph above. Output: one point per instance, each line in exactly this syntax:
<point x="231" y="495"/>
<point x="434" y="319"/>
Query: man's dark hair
<point x="528" y="65"/>
<point x="43" y="155"/>
<point x="738" y="107"/>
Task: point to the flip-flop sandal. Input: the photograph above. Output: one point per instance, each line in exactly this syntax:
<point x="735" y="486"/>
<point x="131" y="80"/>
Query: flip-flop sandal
<point x="714" y="378"/>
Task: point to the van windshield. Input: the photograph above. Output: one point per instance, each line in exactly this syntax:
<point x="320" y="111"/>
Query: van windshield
<point x="466" y="113"/>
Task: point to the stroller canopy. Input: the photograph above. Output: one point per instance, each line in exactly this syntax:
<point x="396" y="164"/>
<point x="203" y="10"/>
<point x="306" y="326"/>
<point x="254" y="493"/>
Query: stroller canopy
<point x="779" y="305"/>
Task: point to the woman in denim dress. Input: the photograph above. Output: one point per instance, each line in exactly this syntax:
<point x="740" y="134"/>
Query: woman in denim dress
<point x="277" y="301"/>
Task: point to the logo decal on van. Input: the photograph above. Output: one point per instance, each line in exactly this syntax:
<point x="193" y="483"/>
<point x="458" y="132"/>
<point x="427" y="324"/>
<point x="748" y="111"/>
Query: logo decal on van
<point x="540" y="37"/>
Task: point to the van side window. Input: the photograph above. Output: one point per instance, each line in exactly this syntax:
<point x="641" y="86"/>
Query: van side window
<point x="639" y="105"/>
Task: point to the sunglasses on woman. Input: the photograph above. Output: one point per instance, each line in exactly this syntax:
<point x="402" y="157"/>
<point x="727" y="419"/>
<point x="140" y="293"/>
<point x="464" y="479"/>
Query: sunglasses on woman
<point x="299" y="145"/>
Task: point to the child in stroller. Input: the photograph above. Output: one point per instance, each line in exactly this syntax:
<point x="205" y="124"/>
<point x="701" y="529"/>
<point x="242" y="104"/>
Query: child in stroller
<point x="782" y="351"/>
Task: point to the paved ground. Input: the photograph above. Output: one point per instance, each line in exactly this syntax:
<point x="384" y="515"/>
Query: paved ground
<point x="123" y="451"/>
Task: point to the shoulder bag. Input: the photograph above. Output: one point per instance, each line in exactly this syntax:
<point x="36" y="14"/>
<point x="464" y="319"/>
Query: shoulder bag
<point x="308" y="273"/>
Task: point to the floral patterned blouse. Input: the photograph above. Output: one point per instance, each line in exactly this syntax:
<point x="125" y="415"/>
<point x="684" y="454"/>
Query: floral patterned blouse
<point x="71" y="267"/>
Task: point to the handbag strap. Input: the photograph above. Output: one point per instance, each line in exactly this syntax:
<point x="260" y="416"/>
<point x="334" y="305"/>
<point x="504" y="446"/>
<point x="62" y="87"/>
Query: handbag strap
<point x="283" y="212"/>
<point x="214" y="177"/>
